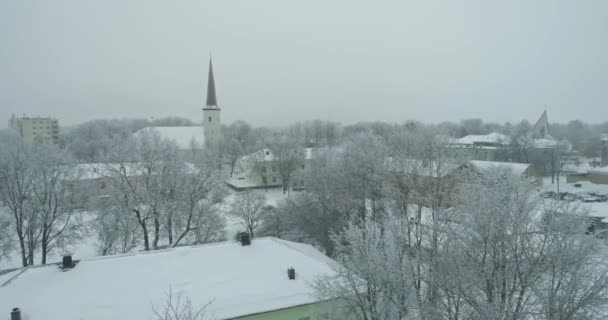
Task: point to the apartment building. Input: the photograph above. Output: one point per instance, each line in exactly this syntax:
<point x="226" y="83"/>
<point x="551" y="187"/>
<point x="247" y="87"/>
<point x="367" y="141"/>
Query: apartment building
<point x="44" y="130"/>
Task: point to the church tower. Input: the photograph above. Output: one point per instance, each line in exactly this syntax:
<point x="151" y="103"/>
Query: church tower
<point x="211" y="112"/>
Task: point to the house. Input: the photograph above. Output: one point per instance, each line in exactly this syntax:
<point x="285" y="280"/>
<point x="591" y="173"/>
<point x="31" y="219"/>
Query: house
<point x="261" y="169"/>
<point x="524" y="170"/>
<point x="236" y="281"/>
<point x="489" y="147"/>
<point x="598" y="175"/>
<point x="39" y="129"/>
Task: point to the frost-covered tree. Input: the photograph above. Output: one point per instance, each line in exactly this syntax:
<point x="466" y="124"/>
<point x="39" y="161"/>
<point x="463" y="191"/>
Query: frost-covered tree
<point x="249" y="207"/>
<point x="375" y="278"/>
<point x="196" y="195"/>
<point x="17" y="175"/>
<point x="36" y="187"/>
<point x="53" y="201"/>
<point x="6" y="241"/>
<point x="288" y="155"/>
<point x="145" y="170"/>
<point x="117" y="231"/>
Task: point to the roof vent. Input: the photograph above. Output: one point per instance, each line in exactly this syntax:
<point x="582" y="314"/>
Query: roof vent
<point x="244" y="238"/>
<point x="67" y="263"/>
<point x="291" y="273"/>
<point x="16" y="314"/>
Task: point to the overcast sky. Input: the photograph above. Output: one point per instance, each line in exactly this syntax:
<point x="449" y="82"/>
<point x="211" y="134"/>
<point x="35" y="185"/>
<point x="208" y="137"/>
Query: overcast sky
<point x="281" y="61"/>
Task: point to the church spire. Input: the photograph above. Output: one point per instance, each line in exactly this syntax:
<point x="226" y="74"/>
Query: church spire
<point x="211" y="98"/>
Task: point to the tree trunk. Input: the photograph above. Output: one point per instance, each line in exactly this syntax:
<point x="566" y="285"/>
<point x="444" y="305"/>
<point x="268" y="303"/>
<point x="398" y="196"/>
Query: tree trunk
<point x="23" y="249"/>
<point x="251" y="231"/>
<point x="144" y="228"/>
<point x="170" y="229"/>
<point x="156" y="230"/>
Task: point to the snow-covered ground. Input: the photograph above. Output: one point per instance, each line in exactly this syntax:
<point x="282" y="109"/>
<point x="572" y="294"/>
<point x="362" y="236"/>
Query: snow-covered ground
<point x="597" y="209"/>
<point x="87" y="247"/>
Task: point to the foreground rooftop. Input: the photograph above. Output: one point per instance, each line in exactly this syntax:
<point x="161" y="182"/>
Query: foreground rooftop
<point x="238" y="280"/>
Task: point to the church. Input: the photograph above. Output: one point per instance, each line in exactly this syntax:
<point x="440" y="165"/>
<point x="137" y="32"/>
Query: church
<point x="195" y="136"/>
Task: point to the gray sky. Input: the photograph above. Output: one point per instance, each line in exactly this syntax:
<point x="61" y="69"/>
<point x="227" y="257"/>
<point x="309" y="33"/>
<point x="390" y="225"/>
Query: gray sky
<point x="281" y="61"/>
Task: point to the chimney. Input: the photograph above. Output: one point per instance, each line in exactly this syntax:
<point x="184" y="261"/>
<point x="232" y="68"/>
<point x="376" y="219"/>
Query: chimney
<point x="244" y="238"/>
<point x="16" y="314"/>
<point x="67" y="263"/>
<point x="291" y="273"/>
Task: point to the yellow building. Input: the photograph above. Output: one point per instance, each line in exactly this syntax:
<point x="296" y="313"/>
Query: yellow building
<point x="44" y="130"/>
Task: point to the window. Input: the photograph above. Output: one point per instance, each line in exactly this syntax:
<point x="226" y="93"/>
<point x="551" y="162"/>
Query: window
<point x="263" y="169"/>
<point x="209" y="119"/>
<point x="267" y="152"/>
<point x="274" y="179"/>
<point x="303" y="166"/>
<point x="274" y="168"/>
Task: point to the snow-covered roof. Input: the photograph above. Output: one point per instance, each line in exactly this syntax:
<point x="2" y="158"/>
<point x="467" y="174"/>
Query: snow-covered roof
<point x="238" y="280"/>
<point x="491" y="138"/>
<point x="182" y="136"/>
<point x="602" y="170"/>
<point x="545" y="143"/>
<point x="91" y="171"/>
<point x="516" y="168"/>
<point x="267" y="154"/>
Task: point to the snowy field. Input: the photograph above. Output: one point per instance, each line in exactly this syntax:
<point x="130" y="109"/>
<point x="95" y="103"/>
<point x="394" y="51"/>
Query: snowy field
<point x="87" y="248"/>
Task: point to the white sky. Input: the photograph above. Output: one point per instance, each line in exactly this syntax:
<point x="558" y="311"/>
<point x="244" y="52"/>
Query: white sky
<point x="281" y="61"/>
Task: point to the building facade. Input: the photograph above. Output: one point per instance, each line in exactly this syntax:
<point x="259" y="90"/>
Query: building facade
<point x="36" y="129"/>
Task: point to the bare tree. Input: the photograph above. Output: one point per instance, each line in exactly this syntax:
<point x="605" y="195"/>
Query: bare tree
<point x="6" y="241"/>
<point x="196" y="195"/>
<point x="375" y="280"/>
<point x="574" y="284"/>
<point x="116" y="231"/>
<point x="249" y="207"/>
<point x="53" y="189"/>
<point x="178" y="307"/>
<point x="144" y="169"/>
<point x="287" y="155"/>
<point x="17" y="175"/>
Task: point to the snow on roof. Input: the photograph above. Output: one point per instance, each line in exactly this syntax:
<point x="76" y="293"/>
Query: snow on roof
<point x="516" y="168"/>
<point x="545" y="143"/>
<point x="238" y="280"/>
<point x="602" y="170"/>
<point x="491" y="138"/>
<point x="268" y="155"/>
<point x="183" y="136"/>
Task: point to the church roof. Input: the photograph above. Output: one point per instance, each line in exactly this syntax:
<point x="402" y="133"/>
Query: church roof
<point x="211" y="97"/>
<point x="182" y="136"/>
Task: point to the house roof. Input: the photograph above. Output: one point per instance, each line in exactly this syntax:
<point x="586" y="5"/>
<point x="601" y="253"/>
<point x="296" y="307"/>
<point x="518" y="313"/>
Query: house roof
<point x="602" y="170"/>
<point x="268" y="155"/>
<point x="182" y="136"/>
<point x="237" y="280"/>
<point x="516" y="168"/>
<point x="491" y="138"/>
